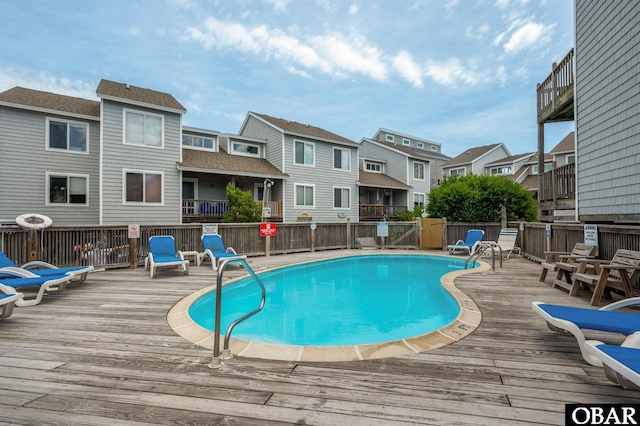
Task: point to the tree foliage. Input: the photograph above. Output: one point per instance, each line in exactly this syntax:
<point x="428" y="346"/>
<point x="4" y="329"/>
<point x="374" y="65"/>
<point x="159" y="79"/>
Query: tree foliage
<point x="476" y="198"/>
<point x="409" y="215"/>
<point x="242" y="207"/>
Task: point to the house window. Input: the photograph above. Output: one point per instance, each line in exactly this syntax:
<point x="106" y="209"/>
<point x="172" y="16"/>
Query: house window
<point x="571" y="158"/>
<point x="304" y="153"/>
<point x="67" y="135"/>
<point x="341" y="159"/>
<point x="503" y="170"/>
<point x="143" y="128"/>
<point x="547" y="167"/>
<point x="373" y="167"/>
<point x="434" y="148"/>
<point x="67" y="189"/>
<point x="143" y="187"/>
<point x="406" y="142"/>
<point x="418" y="199"/>
<point x="420" y="145"/>
<point x="389" y="138"/>
<point x="418" y="170"/>
<point x="457" y="172"/>
<point x="248" y="149"/>
<point x="304" y="195"/>
<point x="341" y="198"/>
<point x="199" y="142"/>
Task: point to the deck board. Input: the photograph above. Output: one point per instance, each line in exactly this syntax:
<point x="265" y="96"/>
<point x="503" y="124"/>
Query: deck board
<point x="102" y="353"/>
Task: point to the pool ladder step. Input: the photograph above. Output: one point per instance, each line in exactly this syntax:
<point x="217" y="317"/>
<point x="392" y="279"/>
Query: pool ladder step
<point x="218" y="356"/>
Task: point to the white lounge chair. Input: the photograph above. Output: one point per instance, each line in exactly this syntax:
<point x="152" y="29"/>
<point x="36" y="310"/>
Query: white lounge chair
<point x="7" y="302"/>
<point x="507" y="243"/>
<point x="43" y="269"/>
<point x="215" y="250"/>
<point x="573" y="320"/>
<point x="621" y="363"/>
<point x="43" y="285"/>
<point x="163" y="254"/>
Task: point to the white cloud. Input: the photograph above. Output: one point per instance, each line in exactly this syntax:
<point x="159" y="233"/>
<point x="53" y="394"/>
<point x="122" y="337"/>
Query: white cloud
<point x="450" y="73"/>
<point x="11" y="77"/>
<point x="295" y="71"/>
<point x="527" y="35"/>
<point x="353" y="9"/>
<point x="501" y="74"/>
<point x="351" y="55"/>
<point x="403" y="63"/>
<point x="502" y="4"/>
<point x="278" y="5"/>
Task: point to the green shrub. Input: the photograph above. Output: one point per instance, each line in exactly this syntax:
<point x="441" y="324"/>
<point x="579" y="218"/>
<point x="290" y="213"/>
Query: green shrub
<point x="242" y="207"/>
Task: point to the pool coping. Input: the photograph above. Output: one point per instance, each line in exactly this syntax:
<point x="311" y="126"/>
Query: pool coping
<point x="465" y="323"/>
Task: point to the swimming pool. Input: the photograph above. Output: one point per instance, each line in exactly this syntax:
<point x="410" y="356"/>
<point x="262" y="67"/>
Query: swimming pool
<point x="348" y="301"/>
<point x="465" y="323"/>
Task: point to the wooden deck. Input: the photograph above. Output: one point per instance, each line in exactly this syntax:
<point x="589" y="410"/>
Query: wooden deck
<point x="103" y="353"/>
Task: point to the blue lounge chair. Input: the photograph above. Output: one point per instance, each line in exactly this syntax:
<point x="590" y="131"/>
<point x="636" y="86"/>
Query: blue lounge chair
<point x="7" y="302"/>
<point x="51" y="285"/>
<point x="163" y="254"/>
<point x="470" y="243"/>
<point x="621" y="364"/>
<point x="42" y="269"/>
<point x="569" y="319"/>
<point x="215" y="250"/>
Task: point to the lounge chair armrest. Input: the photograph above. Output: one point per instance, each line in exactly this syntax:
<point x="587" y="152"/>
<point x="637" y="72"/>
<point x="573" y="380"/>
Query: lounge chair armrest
<point x="632" y="301"/>
<point x="38" y="264"/>
<point x="231" y="250"/>
<point x="16" y="272"/>
<point x="459" y="242"/>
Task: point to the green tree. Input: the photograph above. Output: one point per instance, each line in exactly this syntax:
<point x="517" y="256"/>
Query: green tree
<point x="242" y="207"/>
<point x="476" y="198"/>
<point x="409" y="215"/>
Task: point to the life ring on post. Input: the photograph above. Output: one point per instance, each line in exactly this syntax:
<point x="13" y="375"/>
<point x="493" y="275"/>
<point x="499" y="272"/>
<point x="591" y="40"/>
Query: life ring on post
<point x="33" y="221"/>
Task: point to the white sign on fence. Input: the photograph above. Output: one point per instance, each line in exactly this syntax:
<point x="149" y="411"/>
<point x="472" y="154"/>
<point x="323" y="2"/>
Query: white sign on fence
<point x="383" y="229"/>
<point x="209" y="228"/>
<point x="591" y="235"/>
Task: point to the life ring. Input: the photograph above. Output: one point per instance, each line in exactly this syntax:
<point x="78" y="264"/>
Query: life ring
<point x="33" y="221"/>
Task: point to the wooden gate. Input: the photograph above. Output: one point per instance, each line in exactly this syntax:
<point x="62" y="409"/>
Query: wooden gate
<point x="432" y="233"/>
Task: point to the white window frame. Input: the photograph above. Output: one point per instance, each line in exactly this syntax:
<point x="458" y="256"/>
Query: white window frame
<point x="341" y="188"/>
<point x="420" y="145"/>
<point x="406" y="142"/>
<point x="144" y="173"/>
<point x="424" y="170"/>
<point x="234" y="151"/>
<point x="305" y="143"/>
<point x="68" y="123"/>
<point x="458" y="170"/>
<point x="295" y="196"/>
<point x="214" y="143"/>
<point x="434" y="148"/>
<point x="423" y="196"/>
<point x="389" y="138"/>
<point x="547" y="167"/>
<point x="501" y="170"/>
<point x="568" y="158"/>
<point x="369" y="165"/>
<point x="348" y="162"/>
<point x="125" y="112"/>
<point x="49" y="175"/>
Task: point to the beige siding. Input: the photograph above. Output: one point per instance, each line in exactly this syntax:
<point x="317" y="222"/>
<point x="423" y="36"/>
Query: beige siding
<point x="26" y="161"/>
<point x="607" y="108"/>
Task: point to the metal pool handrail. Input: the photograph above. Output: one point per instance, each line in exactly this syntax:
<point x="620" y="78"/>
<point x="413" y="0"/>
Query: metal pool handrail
<point x="216" y="362"/>
<point x="486" y="245"/>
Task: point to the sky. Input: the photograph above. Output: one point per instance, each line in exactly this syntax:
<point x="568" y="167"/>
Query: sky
<point x="462" y="73"/>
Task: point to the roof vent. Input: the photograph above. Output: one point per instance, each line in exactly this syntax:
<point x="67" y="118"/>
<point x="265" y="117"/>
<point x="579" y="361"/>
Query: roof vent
<point x="128" y="86"/>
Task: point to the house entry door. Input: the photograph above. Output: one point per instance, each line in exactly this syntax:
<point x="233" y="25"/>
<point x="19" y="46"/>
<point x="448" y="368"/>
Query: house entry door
<point x="188" y="193"/>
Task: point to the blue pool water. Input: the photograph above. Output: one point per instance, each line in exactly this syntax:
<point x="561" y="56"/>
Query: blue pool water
<point x="345" y="301"/>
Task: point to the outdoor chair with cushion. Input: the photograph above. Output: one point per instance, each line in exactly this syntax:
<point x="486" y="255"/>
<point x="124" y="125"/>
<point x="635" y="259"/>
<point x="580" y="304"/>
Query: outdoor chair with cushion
<point x="507" y="243"/>
<point x="580" y="250"/>
<point x="163" y="254"/>
<point x="621" y="363"/>
<point x="44" y="269"/>
<point x="214" y="250"/>
<point x="470" y="244"/>
<point x="573" y="320"/>
<point x="42" y="285"/>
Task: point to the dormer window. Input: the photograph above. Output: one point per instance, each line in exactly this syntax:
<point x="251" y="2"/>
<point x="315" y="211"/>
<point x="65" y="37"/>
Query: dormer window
<point x="434" y="148"/>
<point x="389" y="138"/>
<point x="248" y="149"/>
<point x="501" y="170"/>
<point x="406" y="142"/>
<point x="199" y="142"/>
<point x="373" y="167"/>
<point x="420" y="145"/>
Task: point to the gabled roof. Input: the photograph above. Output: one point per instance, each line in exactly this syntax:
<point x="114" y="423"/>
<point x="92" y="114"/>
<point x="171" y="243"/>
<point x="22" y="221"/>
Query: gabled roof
<point x="299" y="129"/>
<point x="470" y="155"/>
<point x="223" y="163"/>
<point x="418" y="153"/>
<point x="380" y="180"/>
<point x="19" y="97"/>
<point x="126" y="93"/>
<point x="404" y="135"/>
<point x="511" y="159"/>
<point x="548" y="158"/>
<point x="567" y="144"/>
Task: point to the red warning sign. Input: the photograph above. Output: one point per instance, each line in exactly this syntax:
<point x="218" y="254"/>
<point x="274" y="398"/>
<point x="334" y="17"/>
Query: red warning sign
<point x="268" y="229"/>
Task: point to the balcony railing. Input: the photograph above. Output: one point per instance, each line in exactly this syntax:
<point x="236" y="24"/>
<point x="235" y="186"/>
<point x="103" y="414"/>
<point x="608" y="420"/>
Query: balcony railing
<point x="558" y="184"/>
<point x="379" y="211"/>
<point x="213" y="210"/>
<point x="555" y="94"/>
